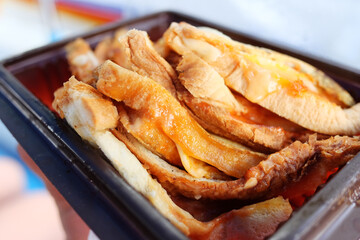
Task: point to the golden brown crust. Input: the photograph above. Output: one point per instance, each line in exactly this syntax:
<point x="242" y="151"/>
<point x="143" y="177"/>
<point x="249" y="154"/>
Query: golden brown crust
<point x="102" y="49"/>
<point x="315" y="113"/>
<point x="149" y="134"/>
<point x="332" y="156"/>
<point x="134" y="51"/>
<point x="262" y="181"/>
<point x="145" y="95"/>
<point x="150" y="113"/>
<point x="223" y="123"/>
<point x="334" y="91"/>
<point x="256" y="221"/>
<point x="268" y="78"/>
<point x="135" y="174"/>
<point x="79" y="100"/>
<point x="203" y="82"/>
<point x="180" y="36"/>
<point x="223" y="114"/>
<point x="82" y="60"/>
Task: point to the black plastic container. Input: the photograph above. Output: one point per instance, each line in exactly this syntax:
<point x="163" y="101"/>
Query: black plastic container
<point x="110" y="207"/>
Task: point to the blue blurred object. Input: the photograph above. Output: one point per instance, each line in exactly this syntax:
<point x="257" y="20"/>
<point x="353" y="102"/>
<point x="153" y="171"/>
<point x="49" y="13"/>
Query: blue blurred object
<point x="8" y="146"/>
<point x="50" y="18"/>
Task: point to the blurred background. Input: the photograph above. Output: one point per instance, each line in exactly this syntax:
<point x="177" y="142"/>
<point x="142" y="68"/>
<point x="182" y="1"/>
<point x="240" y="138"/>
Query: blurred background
<point x="327" y="29"/>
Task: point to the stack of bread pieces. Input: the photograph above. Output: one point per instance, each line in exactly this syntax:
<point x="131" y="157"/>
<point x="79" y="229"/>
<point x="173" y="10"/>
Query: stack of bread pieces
<point x="218" y="135"/>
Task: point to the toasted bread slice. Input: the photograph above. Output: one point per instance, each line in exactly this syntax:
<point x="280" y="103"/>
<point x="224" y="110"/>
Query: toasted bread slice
<point x="71" y="103"/>
<point x="216" y="108"/>
<point x="135" y="51"/>
<point x="82" y="60"/>
<point x="265" y="180"/>
<point x="281" y="84"/>
<point x="145" y="95"/>
<point x="85" y="108"/>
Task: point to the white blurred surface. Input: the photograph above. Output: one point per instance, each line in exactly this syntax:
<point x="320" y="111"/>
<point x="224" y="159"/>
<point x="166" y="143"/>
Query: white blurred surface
<point x="24" y="27"/>
<point x="325" y="28"/>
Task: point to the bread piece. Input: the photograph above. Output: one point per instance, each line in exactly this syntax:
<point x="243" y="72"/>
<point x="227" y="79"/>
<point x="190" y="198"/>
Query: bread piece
<point x="234" y="117"/>
<point x="85" y="108"/>
<point x="135" y="51"/>
<point x="281" y="84"/>
<point x="145" y="95"/>
<point x="70" y="102"/>
<point x="265" y="180"/>
<point x="82" y="60"/>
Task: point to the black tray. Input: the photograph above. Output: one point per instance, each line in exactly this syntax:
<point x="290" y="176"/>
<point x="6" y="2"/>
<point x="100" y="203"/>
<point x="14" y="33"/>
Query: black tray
<point x="110" y="207"/>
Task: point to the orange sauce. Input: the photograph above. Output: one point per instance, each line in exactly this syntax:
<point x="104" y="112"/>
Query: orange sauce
<point x="256" y="114"/>
<point x="143" y="94"/>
